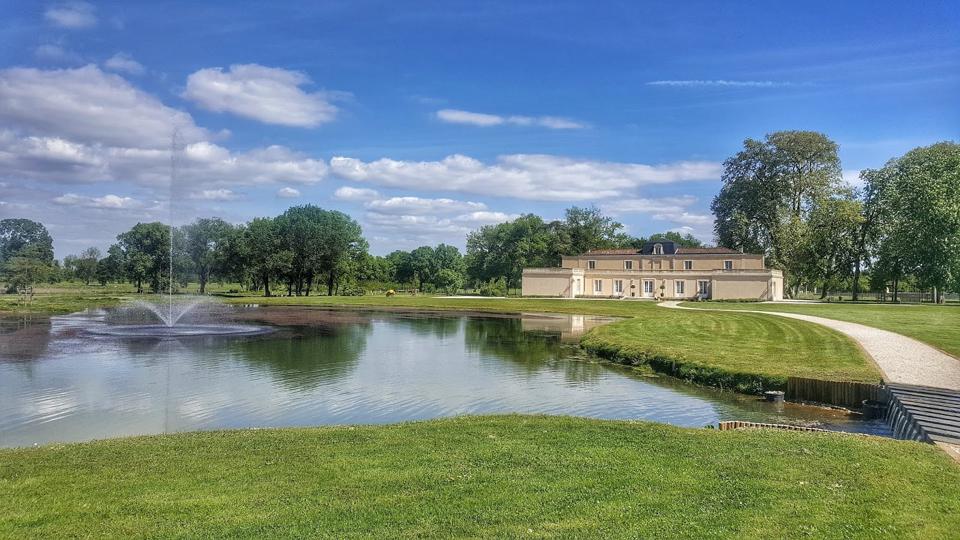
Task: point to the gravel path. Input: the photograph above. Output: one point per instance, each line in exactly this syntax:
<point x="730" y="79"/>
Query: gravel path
<point x="901" y="359"/>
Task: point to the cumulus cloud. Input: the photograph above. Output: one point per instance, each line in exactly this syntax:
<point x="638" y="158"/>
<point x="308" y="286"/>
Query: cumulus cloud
<point x="720" y="83"/>
<point x="675" y="210"/>
<point x="524" y="176"/>
<point x="106" y="201"/>
<point x="347" y="193"/>
<point x="269" y="95"/>
<point x="73" y="15"/>
<point x="456" y="116"/>
<point x="89" y="106"/>
<point x="200" y="165"/>
<point x="421" y="206"/>
<point x="221" y="194"/>
<point x="125" y="63"/>
<point x="288" y="193"/>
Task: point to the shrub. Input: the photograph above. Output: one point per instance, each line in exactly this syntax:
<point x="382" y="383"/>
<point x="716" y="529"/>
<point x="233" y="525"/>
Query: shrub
<point x="352" y="289"/>
<point x="494" y="287"/>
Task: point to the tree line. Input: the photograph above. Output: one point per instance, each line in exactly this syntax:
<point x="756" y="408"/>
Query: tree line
<point x="307" y="249"/>
<point x="783" y="196"/>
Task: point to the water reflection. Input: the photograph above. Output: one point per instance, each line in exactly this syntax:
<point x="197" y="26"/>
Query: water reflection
<point x="334" y="367"/>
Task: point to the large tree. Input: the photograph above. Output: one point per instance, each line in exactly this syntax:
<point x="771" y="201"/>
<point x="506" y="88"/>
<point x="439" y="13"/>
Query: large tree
<point x="266" y="257"/>
<point x="925" y="198"/>
<point x="769" y="189"/>
<point x="17" y="234"/>
<point x="505" y="249"/>
<point x="583" y="229"/>
<point x="206" y="242"/>
<point x="146" y="251"/>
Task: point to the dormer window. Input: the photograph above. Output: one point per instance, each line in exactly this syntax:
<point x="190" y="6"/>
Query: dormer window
<point x="658" y="249"/>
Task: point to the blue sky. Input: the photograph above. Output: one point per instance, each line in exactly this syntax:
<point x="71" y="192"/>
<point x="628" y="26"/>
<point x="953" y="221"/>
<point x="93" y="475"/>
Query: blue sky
<point x="426" y="120"/>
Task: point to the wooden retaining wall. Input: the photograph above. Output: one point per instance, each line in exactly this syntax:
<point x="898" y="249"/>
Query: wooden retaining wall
<point x="739" y="424"/>
<point x="841" y="394"/>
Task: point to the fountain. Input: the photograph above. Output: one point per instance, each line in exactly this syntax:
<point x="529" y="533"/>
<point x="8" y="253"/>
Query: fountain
<point x="172" y="317"/>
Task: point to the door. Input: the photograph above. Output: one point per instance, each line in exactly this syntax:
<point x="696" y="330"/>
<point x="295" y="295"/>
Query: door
<point x="648" y="288"/>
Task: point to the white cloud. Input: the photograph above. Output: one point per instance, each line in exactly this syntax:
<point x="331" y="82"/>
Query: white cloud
<point x="87" y="105"/>
<point x="201" y="165"/>
<point x="524" y="176"/>
<point x="221" y="194"/>
<point x="269" y="95"/>
<point x="107" y="201"/>
<point x="721" y="83"/>
<point x="641" y="205"/>
<point x="55" y="53"/>
<point x="71" y="15"/>
<point x="347" y="193"/>
<point x="421" y="206"/>
<point x="288" y="193"/>
<point x="456" y="116"/>
<point x="124" y="62"/>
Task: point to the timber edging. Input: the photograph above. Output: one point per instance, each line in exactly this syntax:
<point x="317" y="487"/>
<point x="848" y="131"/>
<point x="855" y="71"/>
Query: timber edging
<point x="850" y="395"/>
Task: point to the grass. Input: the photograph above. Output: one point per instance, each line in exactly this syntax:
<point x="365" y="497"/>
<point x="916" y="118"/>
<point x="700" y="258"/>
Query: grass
<point x="938" y="326"/>
<point x="482" y="477"/>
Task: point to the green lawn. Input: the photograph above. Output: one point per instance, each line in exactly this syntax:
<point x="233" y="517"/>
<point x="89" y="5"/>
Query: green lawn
<point x="482" y="477"/>
<point x="938" y="326"/>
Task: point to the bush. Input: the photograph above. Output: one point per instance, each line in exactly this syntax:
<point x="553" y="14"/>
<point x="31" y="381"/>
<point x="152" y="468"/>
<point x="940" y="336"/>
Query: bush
<point x="494" y="287"/>
<point x="352" y="289"/>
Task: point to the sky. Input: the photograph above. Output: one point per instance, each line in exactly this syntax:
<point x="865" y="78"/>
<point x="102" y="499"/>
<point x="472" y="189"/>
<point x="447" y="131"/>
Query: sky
<point x="426" y="120"/>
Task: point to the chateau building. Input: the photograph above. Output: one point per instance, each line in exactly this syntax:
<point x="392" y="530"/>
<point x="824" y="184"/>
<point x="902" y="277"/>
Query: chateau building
<point x="661" y="270"/>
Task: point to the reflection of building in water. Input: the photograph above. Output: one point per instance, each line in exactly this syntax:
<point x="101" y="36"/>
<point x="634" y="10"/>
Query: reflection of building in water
<point x="570" y="327"/>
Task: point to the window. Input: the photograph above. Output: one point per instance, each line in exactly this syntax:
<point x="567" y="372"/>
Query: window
<point x="618" y="286"/>
<point x="703" y="287"/>
<point x="678" y="287"/>
<point x="728" y="265"/>
<point x="592" y="265"/>
<point x="648" y="286"/>
<point x="688" y="265"/>
<point x="597" y="285"/>
<point x="658" y="249"/>
<point x="628" y="265"/>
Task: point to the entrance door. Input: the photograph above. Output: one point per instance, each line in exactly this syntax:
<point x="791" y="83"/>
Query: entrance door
<point x="648" y="288"/>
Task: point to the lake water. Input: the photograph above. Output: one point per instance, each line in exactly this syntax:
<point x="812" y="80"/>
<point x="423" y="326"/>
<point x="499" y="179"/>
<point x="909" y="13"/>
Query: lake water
<point x="59" y="381"/>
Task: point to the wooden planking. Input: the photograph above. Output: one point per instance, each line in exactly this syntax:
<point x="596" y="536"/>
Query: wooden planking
<point x="924" y="413"/>
<point x="740" y="424"/>
<point x="840" y="393"/>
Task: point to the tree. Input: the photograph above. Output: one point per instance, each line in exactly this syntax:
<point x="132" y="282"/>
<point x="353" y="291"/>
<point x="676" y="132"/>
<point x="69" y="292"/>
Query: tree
<point x="875" y="219"/>
<point x="266" y="257"/>
<point x="206" y="242"/>
<point x="584" y="229"/>
<point x="343" y="246"/>
<point x="684" y="240"/>
<point x="17" y="234"/>
<point x="505" y="249"/>
<point x="146" y="251"/>
<point x="925" y="201"/>
<point x="448" y="280"/>
<point x="85" y="265"/>
<point x="830" y="251"/>
<point x="422" y="264"/>
<point x="27" y="267"/>
<point x="770" y="188"/>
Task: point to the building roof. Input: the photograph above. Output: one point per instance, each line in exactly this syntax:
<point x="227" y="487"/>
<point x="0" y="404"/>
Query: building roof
<point x="707" y="251"/>
<point x="668" y="249"/>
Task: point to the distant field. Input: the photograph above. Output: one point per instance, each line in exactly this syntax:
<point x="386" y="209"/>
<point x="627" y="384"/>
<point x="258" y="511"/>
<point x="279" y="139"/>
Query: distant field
<point x="482" y="477"/>
<point x="938" y="326"/>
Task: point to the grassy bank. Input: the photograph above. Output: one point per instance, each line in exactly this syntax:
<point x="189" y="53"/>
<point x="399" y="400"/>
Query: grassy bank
<point x="485" y="477"/>
<point x="938" y="326"/>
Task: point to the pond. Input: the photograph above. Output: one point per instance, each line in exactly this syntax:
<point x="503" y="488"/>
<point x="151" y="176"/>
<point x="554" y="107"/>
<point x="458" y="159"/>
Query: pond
<point x="62" y="381"/>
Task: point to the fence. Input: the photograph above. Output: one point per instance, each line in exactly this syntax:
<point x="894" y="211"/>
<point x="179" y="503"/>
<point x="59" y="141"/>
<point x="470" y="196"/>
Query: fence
<point x="842" y="394"/>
